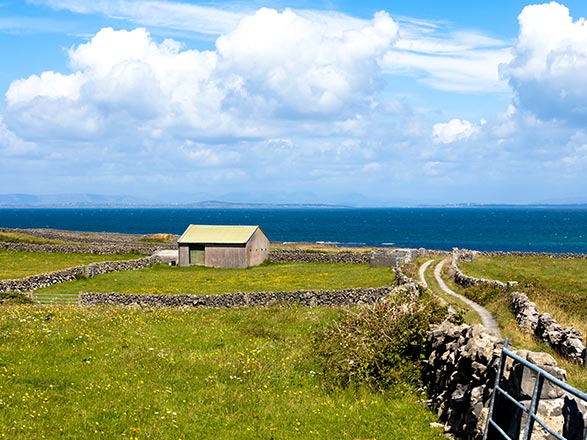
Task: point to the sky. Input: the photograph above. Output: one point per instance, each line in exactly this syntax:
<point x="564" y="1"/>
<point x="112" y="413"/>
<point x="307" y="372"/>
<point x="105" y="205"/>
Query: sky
<point x="380" y="103"/>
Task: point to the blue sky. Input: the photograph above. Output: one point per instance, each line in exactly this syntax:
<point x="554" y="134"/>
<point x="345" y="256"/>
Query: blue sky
<point x="385" y="103"/>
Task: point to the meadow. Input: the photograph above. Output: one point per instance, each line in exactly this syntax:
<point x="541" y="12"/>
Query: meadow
<point x="68" y="372"/>
<point x="19" y="264"/>
<point x="557" y="286"/>
<point x="163" y="279"/>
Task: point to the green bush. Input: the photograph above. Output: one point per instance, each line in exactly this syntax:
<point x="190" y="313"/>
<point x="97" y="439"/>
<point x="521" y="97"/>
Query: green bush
<point x="381" y="344"/>
<point x="14" y="298"/>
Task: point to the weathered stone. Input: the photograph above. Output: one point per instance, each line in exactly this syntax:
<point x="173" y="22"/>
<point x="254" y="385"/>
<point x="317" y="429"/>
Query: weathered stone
<point x="541" y="359"/>
<point x="461" y="388"/>
<point x="550" y="411"/>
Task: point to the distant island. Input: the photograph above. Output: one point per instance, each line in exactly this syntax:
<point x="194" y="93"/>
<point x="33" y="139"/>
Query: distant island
<point x="97" y="201"/>
<point x="105" y="201"/>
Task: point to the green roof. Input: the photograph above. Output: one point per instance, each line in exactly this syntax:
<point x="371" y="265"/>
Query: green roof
<point x="212" y="234"/>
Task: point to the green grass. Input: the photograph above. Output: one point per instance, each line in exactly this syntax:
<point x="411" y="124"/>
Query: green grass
<point x="17" y="264"/>
<point x="21" y="237"/>
<point x="163" y="279"/>
<point x="564" y="275"/>
<point x="558" y="286"/>
<point x="499" y="306"/>
<point x="67" y="372"/>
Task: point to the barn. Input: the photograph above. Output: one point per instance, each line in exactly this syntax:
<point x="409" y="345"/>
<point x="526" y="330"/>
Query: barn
<point x="223" y="246"/>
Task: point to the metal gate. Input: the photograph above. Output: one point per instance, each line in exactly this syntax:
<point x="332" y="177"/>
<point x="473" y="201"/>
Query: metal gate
<point x="56" y="298"/>
<point x="532" y="417"/>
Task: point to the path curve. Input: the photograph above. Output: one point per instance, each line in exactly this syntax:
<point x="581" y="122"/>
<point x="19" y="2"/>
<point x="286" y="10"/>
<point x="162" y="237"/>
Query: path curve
<point x="421" y="272"/>
<point x="486" y="318"/>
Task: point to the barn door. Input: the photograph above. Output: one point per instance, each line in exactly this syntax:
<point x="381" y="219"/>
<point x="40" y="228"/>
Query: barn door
<point x="197" y="256"/>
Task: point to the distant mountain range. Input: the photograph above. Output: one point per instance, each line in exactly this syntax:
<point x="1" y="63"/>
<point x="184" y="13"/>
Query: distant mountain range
<point x="125" y="201"/>
<point x="122" y="201"/>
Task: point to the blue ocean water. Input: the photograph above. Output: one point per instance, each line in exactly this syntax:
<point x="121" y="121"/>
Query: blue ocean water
<point x="521" y="229"/>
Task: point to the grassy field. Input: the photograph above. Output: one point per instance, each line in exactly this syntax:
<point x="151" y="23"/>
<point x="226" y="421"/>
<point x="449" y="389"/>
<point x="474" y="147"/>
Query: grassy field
<point x="67" y="372"/>
<point x="557" y="286"/>
<point x="533" y="274"/>
<point x="163" y="279"/>
<point x="21" y="237"/>
<point x="564" y="275"/>
<point x="17" y="264"/>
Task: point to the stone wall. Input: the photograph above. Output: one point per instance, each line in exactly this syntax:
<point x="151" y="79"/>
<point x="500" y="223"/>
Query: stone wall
<point x="34" y="282"/>
<point x="113" y="248"/>
<point x="567" y="341"/>
<point x="380" y="257"/>
<point x="103" y="267"/>
<point x="42" y="280"/>
<point x="328" y="298"/>
<point x="301" y="256"/>
<point x="460" y="374"/>
<point x="467" y="281"/>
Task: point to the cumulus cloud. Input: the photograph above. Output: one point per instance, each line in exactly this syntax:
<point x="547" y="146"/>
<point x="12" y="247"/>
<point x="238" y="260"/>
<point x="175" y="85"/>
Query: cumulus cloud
<point x="549" y="69"/>
<point x="11" y="144"/>
<point x="297" y="65"/>
<point x="452" y="131"/>
<point x="273" y="66"/>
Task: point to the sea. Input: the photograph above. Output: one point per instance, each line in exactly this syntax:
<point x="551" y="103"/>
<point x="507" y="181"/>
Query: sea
<point x="556" y="230"/>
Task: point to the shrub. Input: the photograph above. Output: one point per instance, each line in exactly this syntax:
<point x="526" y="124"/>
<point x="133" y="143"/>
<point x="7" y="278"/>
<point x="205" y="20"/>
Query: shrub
<point x="382" y="344"/>
<point x="157" y="238"/>
<point x="14" y="298"/>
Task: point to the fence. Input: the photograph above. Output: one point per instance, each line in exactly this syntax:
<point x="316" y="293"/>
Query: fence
<point x="531" y="411"/>
<point x="60" y="298"/>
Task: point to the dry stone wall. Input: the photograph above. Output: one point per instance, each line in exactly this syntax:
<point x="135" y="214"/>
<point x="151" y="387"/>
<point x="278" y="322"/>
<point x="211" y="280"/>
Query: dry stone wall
<point x="460" y="374"/>
<point x="300" y="256"/>
<point x="327" y="298"/>
<point x="34" y="282"/>
<point x="102" y="249"/>
<point x="42" y="280"/>
<point x="567" y="341"/>
<point x="103" y="267"/>
<point x="467" y="281"/>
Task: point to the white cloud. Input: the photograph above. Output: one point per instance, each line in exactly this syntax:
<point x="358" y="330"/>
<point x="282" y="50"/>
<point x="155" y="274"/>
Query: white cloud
<point x="293" y="64"/>
<point x="549" y="70"/>
<point x="445" y="59"/>
<point x="271" y="67"/>
<point x="175" y="15"/>
<point x="452" y="131"/>
<point x="12" y="145"/>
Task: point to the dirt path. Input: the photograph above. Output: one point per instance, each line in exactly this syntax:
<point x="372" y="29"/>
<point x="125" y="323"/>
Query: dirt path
<point x="421" y="272"/>
<point x="486" y="318"/>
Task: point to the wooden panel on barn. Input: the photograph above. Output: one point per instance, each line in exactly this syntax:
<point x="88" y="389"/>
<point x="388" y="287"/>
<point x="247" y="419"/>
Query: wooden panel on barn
<point x="257" y="248"/>
<point x="229" y="256"/>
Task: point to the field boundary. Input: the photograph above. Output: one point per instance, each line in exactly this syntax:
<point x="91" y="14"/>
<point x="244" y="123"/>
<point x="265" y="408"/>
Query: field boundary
<point x="566" y="341"/>
<point x="33" y="282"/>
<point x="328" y="298"/>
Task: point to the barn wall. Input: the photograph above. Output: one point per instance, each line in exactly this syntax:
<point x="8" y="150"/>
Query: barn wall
<point x="226" y="256"/>
<point x="257" y="248"/>
<point x="184" y="255"/>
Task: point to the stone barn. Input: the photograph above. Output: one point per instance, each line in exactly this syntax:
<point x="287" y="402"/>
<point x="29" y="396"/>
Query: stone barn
<point x="223" y="246"/>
